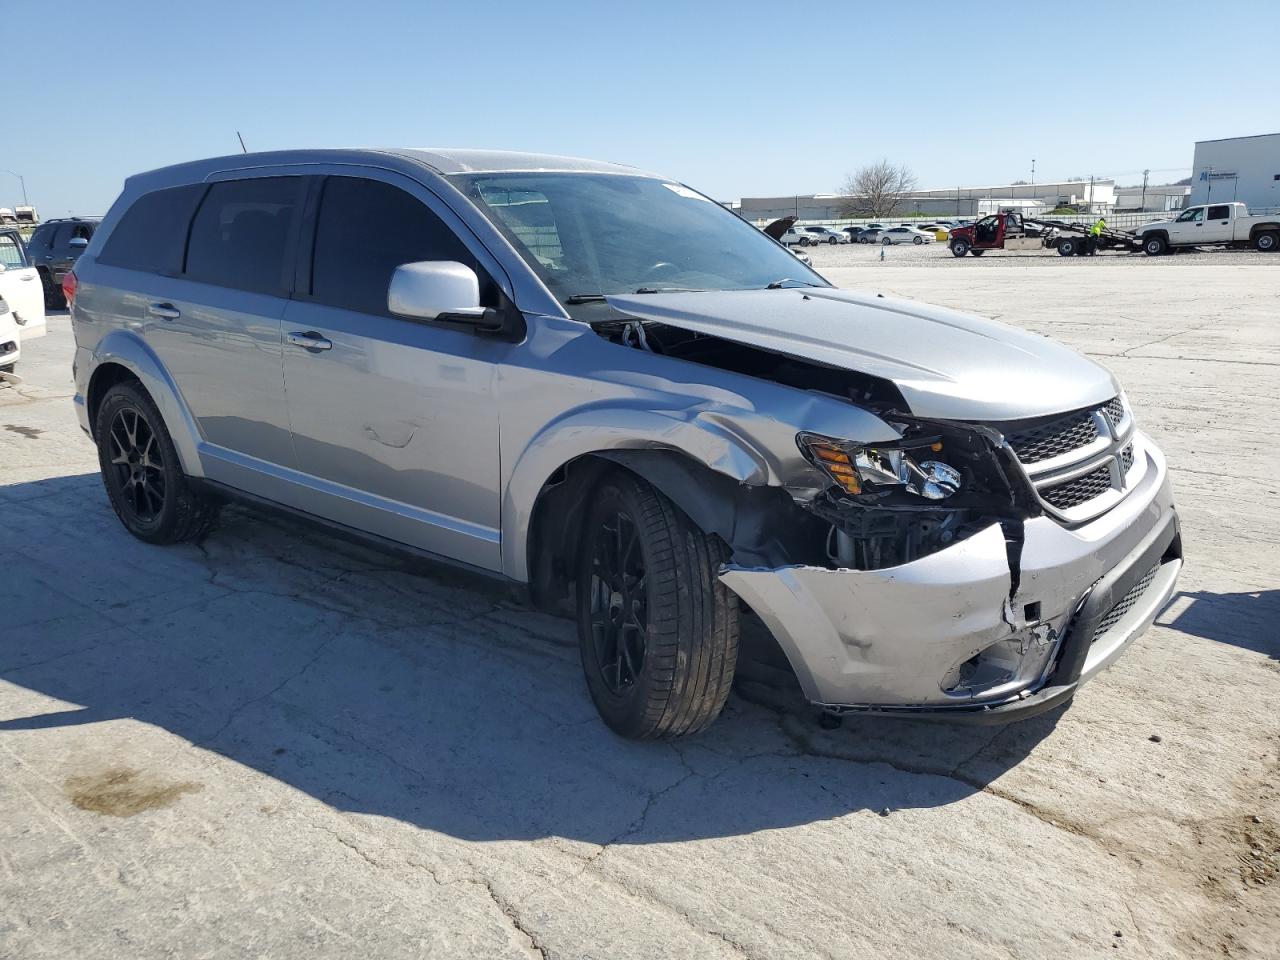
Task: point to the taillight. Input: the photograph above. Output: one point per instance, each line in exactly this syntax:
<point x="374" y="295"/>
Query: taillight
<point x="69" y="284"/>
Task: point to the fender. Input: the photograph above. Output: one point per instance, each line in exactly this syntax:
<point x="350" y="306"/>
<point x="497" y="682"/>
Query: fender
<point x="693" y="433"/>
<point x="130" y="351"/>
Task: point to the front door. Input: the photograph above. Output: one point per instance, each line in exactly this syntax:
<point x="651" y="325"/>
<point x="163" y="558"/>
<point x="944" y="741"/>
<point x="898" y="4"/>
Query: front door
<point x="20" y="286"/>
<point x="394" y="420"/>
<point x="1188" y="228"/>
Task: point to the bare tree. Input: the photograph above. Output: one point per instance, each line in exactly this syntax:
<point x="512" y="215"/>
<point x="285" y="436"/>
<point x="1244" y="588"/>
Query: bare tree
<point x="874" y="190"/>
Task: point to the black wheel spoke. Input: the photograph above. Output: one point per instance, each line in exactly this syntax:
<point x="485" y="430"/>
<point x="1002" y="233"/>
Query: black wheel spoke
<point x="136" y="465"/>
<point x="617" y="599"/>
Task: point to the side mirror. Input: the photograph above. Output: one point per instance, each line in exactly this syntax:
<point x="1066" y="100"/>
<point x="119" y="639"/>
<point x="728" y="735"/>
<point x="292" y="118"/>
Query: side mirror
<point x="435" y="290"/>
<point x="77" y="242"/>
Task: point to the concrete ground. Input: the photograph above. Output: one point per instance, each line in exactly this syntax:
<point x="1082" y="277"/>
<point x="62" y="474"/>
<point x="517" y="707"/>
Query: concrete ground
<point x="279" y="744"/>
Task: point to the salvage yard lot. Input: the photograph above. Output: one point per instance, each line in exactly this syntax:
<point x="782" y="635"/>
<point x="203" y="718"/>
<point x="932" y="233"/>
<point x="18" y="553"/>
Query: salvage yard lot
<point x="277" y="743"/>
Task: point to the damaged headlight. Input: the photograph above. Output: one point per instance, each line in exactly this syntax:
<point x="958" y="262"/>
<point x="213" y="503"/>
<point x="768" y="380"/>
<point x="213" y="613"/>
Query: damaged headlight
<point x="855" y="468"/>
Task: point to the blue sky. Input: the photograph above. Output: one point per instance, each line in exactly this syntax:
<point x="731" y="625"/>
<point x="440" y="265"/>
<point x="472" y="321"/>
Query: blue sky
<point x="736" y="98"/>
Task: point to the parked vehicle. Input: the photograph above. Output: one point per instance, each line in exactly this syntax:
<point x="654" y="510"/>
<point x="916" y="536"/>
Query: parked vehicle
<point x="826" y="235"/>
<point x="1012" y="231"/>
<point x="851" y="233"/>
<point x="54" y="248"/>
<point x="870" y="234"/>
<point x="1211" y="224"/>
<point x="905" y="235"/>
<point x="10" y="340"/>
<point x="797" y="237"/>
<point x="20" y="285"/>
<point x="603" y="388"/>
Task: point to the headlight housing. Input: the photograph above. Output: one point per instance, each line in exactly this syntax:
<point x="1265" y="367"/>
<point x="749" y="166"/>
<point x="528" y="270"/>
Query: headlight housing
<point x="856" y="468"/>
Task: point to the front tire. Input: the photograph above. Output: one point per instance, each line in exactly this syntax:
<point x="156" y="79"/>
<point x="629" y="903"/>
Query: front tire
<point x="657" y="630"/>
<point x="917" y="240"/>
<point x="142" y="475"/>
<point x="959" y="248"/>
<point x="1267" y="242"/>
<point x="1154" y="246"/>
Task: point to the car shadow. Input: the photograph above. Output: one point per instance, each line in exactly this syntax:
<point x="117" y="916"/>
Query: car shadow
<point x="1248" y="620"/>
<point x="380" y="685"/>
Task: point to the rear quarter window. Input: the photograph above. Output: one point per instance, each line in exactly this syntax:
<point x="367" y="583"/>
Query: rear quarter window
<point x="152" y="234"/>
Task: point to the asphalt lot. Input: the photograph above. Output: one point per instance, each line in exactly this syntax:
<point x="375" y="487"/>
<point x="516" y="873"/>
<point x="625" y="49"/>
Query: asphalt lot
<point x="278" y="744"/>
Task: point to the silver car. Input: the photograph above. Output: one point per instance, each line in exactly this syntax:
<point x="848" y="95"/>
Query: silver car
<point x="602" y="387"/>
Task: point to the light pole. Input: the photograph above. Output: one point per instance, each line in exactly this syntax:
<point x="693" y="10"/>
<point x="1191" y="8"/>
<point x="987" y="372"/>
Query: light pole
<point x="21" y="181"/>
<point x="1143" y="204"/>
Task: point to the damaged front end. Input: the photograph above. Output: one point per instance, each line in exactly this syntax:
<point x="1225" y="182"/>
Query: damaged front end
<point x="924" y="574"/>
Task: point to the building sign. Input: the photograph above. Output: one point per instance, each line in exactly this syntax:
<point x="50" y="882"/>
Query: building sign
<point x="1217" y="175"/>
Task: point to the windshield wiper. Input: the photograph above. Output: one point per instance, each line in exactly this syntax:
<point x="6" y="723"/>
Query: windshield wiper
<point x="602" y="297"/>
<point x="777" y="284"/>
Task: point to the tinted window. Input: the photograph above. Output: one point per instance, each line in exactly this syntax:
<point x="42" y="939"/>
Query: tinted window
<point x="42" y="236"/>
<point x="365" y="230"/>
<point x="10" y="252"/>
<point x="61" y="235"/>
<point x="1220" y="213"/>
<point x="153" y="232"/>
<point x="241" y="232"/>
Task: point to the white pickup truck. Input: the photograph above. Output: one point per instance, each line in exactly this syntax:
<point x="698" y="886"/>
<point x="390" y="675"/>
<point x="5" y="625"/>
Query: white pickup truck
<point x="1211" y="224"/>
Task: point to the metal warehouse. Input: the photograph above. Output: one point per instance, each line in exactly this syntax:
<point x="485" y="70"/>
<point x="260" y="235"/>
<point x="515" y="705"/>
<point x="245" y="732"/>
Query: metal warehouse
<point x="1238" y="168"/>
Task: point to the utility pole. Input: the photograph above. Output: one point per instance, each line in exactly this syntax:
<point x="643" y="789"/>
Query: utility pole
<point x="24" y="185"/>
<point x="1091" y="194"/>
<point x="1143" y="204"/>
<point x="1033" y="174"/>
<point x="1208" y="176"/>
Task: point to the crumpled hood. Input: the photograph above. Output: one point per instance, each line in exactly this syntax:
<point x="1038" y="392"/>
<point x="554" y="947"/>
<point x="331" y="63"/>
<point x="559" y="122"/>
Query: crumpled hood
<point x="947" y="365"/>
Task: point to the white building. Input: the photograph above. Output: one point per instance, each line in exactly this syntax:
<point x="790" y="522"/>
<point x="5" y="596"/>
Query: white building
<point x="1238" y="168"/>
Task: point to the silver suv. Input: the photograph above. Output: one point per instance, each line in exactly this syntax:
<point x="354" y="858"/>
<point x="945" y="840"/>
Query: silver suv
<point x="603" y="387"/>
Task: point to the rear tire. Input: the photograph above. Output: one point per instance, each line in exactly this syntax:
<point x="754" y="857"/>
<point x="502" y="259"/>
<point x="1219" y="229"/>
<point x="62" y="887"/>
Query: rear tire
<point x="959" y="248"/>
<point x="657" y="630"/>
<point x="53" y="298"/>
<point x="142" y="475"/>
<point x="1267" y="242"/>
<point x="1067" y="247"/>
<point x="917" y="240"/>
<point x="1154" y="246"/>
<point x="977" y="253"/>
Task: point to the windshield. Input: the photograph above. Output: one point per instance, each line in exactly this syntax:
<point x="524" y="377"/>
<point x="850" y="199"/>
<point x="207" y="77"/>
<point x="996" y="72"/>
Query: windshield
<point x="587" y="234"/>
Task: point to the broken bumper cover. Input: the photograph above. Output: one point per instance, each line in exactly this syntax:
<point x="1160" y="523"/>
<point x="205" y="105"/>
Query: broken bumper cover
<point x="943" y="636"/>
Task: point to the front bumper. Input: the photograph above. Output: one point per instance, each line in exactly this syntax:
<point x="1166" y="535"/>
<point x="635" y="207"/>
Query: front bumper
<point x="943" y="636"/>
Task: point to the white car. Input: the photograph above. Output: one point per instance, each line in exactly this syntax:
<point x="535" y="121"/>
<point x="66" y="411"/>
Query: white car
<point x="905" y="235"/>
<point x="21" y="289"/>
<point x="826" y="235"/>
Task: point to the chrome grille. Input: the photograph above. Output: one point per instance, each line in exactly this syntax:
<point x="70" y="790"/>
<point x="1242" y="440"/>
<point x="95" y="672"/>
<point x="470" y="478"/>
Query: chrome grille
<point x="1114" y="409"/>
<point x="1064" y="496"/>
<point x="1054" y="438"/>
<point x="1126" y="458"/>
<point x="1126" y="603"/>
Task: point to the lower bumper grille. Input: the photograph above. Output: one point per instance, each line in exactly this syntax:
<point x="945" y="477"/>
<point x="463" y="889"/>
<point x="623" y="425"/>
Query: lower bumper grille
<point x="1125" y="603"/>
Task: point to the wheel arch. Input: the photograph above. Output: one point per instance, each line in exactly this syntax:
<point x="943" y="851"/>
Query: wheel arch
<point x="122" y="355"/>
<point x="745" y="517"/>
<point x="1258" y="228"/>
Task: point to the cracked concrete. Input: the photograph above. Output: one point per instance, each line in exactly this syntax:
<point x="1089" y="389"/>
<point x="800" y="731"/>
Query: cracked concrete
<point x="400" y="761"/>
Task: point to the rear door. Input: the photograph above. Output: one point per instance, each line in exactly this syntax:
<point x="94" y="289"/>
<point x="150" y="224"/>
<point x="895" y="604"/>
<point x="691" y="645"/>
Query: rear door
<point x="394" y="420"/>
<point x="212" y="268"/>
<point x="20" y="286"/>
<point x="1217" y="223"/>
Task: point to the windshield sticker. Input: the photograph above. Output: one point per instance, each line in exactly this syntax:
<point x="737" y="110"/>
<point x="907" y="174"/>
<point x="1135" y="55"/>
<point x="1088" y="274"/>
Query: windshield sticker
<point x="683" y="191"/>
